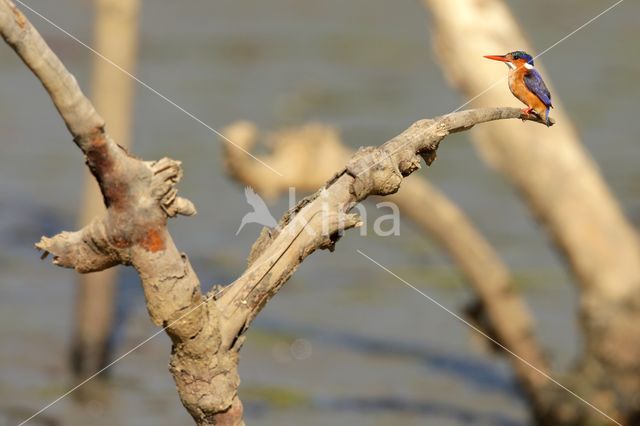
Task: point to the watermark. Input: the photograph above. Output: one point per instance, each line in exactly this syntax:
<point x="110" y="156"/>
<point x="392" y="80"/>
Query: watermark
<point x="332" y="217"/>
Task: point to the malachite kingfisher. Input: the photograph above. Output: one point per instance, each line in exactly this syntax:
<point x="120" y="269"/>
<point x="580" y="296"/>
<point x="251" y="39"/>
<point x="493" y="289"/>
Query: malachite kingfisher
<point x="526" y="83"/>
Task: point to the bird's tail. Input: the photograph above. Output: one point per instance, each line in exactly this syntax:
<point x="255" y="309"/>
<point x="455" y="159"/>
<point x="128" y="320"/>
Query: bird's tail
<point x="546" y="117"/>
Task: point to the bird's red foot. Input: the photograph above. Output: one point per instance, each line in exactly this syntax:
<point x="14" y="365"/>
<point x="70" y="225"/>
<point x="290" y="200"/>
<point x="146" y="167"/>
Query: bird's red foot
<point x="526" y="112"/>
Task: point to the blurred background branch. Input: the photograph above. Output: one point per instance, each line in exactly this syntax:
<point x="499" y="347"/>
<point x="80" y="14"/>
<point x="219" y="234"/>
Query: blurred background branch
<point x="116" y="37"/>
<point x="566" y="193"/>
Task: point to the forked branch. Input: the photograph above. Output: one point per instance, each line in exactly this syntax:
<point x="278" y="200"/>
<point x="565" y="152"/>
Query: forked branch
<point x="207" y="332"/>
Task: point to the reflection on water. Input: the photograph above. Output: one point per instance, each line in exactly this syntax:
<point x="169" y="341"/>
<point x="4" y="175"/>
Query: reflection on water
<point x="376" y="354"/>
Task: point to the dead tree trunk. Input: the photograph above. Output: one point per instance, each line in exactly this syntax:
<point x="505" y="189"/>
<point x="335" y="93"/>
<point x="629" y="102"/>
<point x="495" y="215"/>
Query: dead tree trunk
<point x="207" y="331"/>
<point x="112" y="94"/>
<point x="563" y="188"/>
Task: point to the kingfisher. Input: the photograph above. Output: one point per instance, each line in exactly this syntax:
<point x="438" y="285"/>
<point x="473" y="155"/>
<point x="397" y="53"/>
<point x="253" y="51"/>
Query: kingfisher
<point x="526" y="84"/>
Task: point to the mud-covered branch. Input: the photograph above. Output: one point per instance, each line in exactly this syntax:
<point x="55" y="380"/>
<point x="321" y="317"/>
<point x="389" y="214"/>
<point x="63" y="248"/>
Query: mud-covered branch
<point x="76" y="110"/>
<point x="370" y="171"/>
<point x="140" y="196"/>
<point x="503" y="313"/>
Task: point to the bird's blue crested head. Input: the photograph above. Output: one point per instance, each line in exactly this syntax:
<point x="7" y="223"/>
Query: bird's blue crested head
<point x="520" y="55"/>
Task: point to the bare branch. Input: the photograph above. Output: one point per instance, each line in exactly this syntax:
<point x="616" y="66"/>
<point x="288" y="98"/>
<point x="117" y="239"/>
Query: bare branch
<point x="76" y="110"/>
<point x="503" y="313"/>
<point x="140" y="197"/>
<point x="370" y="171"/>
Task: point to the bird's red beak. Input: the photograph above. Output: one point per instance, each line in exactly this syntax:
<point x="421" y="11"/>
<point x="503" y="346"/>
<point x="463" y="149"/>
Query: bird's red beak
<point x="501" y="58"/>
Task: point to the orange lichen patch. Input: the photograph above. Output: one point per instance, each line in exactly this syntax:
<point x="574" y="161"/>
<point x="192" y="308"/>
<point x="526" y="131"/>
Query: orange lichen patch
<point x="20" y="19"/>
<point x="153" y="240"/>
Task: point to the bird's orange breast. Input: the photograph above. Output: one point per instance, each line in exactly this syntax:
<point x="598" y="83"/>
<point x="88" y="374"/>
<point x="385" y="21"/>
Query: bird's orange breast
<point x="520" y="91"/>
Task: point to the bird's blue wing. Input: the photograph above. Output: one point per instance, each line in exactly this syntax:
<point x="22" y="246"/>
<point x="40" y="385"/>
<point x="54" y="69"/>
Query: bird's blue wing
<point x="534" y="82"/>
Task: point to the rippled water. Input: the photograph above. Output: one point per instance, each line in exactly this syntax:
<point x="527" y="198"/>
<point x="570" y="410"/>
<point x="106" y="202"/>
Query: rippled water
<point x="343" y="343"/>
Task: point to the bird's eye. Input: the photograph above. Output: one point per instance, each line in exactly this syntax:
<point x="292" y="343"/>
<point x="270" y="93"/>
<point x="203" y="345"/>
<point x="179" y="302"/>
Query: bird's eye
<point x="516" y="56"/>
